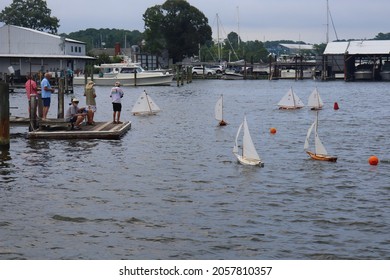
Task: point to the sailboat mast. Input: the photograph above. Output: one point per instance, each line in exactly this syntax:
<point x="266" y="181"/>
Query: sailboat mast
<point x="238" y="27"/>
<point x="327" y="21"/>
<point x="292" y="93"/>
<point x="218" y="43"/>
<point x="147" y="100"/>
<point x="222" y="106"/>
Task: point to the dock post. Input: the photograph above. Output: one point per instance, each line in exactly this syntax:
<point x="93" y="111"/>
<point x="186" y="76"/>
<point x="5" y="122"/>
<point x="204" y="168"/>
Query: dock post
<point x="177" y="76"/>
<point x="245" y="73"/>
<point x="40" y="105"/>
<point x="182" y="76"/>
<point x="33" y="112"/>
<point x="60" y="113"/>
<point x="4" y="117"/>
<point x="66" y="84"/>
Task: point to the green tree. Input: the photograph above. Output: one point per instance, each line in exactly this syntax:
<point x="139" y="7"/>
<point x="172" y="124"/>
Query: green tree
<point x="32" y="14"/>
<point x="382" y="36"/>
<point x="255" y="51"/>
<point x="95" y="37"/>
<point x="176" y="26"/>
<point x="319" y="48"/>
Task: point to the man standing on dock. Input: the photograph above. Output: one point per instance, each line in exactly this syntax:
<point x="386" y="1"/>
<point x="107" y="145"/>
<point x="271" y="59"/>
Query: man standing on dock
<point x="116" y="96"/>
<point x="31" y="89"/>
<point x="47" y="90"/>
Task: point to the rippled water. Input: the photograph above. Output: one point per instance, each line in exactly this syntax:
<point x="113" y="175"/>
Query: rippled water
<point x="172" y="189"/>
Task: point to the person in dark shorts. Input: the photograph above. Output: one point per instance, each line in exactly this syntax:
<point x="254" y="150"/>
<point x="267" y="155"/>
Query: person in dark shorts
<point x="46" y="91"/>
<point x="116" y="96"/>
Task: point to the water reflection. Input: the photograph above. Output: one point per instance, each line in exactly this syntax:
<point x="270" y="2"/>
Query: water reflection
<point x="4" y="156"/>
<point x="6" y="168"/>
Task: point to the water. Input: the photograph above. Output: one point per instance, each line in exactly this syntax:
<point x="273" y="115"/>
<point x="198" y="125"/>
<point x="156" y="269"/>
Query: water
<point x="172" y="189"/>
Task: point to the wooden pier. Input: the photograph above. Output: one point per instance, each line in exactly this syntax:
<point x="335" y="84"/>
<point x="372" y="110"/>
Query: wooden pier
<point x="58" y="129"/>
<point x="101" y="130"/>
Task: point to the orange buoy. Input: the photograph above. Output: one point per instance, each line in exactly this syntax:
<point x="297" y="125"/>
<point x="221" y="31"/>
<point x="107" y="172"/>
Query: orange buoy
<point x="373" y="160"/>
<point x="336" y="106"/>
<point x="272" y="130"/>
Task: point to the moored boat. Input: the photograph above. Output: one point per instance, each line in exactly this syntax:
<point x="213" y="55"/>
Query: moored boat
<point x="385" y="71"/>
<point x="128" y="74"/>
<point x="364" y="72"/>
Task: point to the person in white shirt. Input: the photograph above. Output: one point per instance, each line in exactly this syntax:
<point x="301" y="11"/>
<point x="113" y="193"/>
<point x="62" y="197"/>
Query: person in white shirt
<point x="116" y="96"/>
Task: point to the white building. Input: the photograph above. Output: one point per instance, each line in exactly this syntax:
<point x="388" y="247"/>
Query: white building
<point x="358" y="60"/>
<point x="24" y="50"/>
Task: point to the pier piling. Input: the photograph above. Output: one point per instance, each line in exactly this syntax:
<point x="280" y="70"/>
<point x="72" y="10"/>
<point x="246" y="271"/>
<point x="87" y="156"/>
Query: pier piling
<point x="4" y="117"/>
<point x="33" y="112"/>
<point x="61" y="90"/>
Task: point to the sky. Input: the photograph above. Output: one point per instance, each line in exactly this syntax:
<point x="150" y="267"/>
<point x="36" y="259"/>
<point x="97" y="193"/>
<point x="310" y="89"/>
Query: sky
<point x="263" y="20"/>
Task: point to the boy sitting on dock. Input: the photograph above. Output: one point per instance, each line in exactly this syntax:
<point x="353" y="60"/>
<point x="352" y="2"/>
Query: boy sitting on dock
<point x="75" y="115"/>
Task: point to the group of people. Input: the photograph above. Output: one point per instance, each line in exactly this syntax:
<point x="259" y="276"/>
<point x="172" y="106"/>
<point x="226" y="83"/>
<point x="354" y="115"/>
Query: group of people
<point x="46" y="91"/>
<point x="75" y="114"/>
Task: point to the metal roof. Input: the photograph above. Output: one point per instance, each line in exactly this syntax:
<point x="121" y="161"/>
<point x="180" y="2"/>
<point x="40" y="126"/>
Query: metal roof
<point x="44" y="33"/>
<point x="297" y="46"/>
<point x="358" y="47"/>
<point x="46" y="56"/>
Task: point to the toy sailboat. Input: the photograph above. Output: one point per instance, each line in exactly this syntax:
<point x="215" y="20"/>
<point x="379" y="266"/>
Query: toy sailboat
<point x="219" y="111"/>
<point x="290" y="101"/>
<point x="315" y="101"/>
<point x="145" y="105"/>
<point x="248" y="155"/>
<point x="320" y="152"/>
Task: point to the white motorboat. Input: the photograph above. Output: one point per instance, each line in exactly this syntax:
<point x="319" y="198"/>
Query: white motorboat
<point x="128" y="74"/>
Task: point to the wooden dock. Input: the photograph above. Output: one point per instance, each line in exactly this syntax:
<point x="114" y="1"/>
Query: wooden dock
<point x="55" y="129"/>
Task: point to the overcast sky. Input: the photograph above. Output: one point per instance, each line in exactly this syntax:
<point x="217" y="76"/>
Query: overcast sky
<point x="263" y="20"/>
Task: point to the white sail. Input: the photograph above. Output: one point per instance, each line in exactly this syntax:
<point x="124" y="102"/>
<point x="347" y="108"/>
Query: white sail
<point x="145" y="105"/>
<point x="249" y="150"/>
<point x="320" y="149"/>
<point x="290" y="101"/>
<point x="249" y="155"/>
<point x="306" y="146"/>
<point x="219" y="109"/>
<point x="315" y="100"/>
<point x="235" y="148"/>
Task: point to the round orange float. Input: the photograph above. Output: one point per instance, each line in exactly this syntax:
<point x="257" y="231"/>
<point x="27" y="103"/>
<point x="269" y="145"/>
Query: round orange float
<point x="272" y="130"/>
<point x="373" y="160"/>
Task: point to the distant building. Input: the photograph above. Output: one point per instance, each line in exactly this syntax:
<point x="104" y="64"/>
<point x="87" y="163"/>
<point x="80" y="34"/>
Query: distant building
<point x="357" y="60"/>
<point x="24" y="50"/>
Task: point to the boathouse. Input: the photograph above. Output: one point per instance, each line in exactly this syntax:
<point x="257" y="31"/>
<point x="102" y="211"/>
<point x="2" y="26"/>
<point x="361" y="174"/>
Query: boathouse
<point x="24" y="50"/>
<point x="357" y="60"/>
